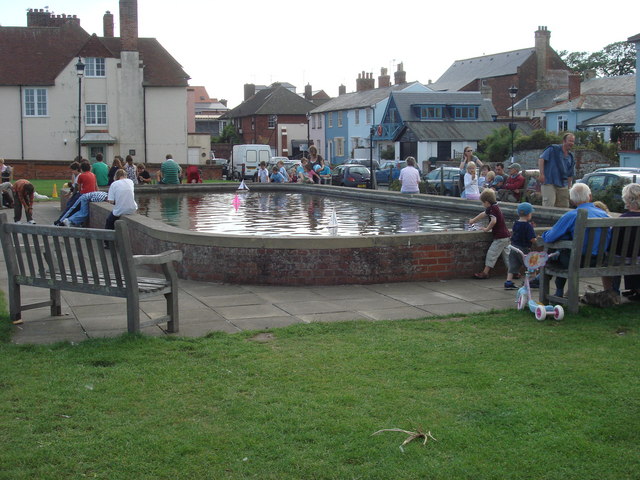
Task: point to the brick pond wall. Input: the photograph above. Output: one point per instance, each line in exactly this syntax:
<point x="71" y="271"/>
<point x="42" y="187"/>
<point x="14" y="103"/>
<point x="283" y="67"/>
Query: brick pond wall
<point x="316" y="260"/>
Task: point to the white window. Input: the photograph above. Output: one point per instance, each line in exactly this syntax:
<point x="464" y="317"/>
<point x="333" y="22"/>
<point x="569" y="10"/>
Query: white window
<point x="96" y="114"/>
<point x="357" y="119"/>
<point x="35" y="102"/>
<point x="369" y="116"/>
<point x="330" y="120"/>
<point x="339" y="119"/>
<point x="94" y="67"/>
<point x="273" y="120"/>
<point x="563" y="123"/>
<point x="313" y="122"/>
<point x="319" y="124"/>
<point x="339" y="146"/>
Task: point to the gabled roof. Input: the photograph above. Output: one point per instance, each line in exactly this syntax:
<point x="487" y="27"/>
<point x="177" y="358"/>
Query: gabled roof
<point x="622" y="116"/>
<point x="404" y="101"/>
<point x="619" y="85"/>
<point x="603" y="103"/>
<point x="634" y="39"/>
<point x="458" y="131"/>
<point x="37" y="55"/>
<point x="160" y="68"/>
<point x="365" y="99"/>
<point x="277" y="100"/>
<point x="463" y="72"/>
<point x="540" y="99"/>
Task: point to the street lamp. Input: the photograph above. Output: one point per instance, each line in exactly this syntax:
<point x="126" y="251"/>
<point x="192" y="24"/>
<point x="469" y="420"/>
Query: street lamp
<point x="80" y="73"/>
<point x="513" y="91"/>
<point x="372" y="131"/>
<point x="308" y="132"/>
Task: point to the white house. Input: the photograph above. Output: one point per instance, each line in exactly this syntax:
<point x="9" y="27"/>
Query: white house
<point x="131" y="96"/>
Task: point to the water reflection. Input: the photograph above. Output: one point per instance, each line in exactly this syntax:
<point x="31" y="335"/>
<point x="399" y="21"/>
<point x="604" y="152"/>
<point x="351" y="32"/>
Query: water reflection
<point x="281" y="213"/>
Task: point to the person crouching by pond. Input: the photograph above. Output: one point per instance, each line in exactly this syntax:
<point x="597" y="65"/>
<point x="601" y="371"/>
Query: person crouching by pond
<point x="23" y="193"/>
<point x="122" y="197"/>
<point x="409" y="177"/>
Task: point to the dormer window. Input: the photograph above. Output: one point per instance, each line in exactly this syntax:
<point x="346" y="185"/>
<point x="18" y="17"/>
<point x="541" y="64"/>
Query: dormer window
<point x="465" y="113"/>
<point x="430" y="113"/>
<point x="94" y="67"/>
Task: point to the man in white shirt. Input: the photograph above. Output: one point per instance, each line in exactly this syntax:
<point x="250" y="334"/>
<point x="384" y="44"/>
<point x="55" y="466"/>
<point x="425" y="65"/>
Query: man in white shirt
<point x="121" y="196"/>
<point x="409" y="177"/>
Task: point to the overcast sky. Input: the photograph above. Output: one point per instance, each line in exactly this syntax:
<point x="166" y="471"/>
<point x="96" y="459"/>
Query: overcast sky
<point x="225" y="44"/>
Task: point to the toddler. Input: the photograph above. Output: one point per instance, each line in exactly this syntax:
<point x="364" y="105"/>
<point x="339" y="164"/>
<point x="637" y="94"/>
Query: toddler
<point x="522" y="237"/>
<point x="498" y="227"/>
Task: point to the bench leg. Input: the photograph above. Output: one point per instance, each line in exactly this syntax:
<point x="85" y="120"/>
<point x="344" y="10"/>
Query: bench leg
<point x="133" y="312"/>
<point x="56" y="304"/>
<point x="15" y="305"/>
<point x="171" y="298"/>
<point x="172" y="311"/>
<point x="573" y="293"/>
<point x="543" y="289"/>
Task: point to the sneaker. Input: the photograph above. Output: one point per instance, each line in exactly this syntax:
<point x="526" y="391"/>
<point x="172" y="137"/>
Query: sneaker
<point x="32" y="222"/>
<point x="66" y="222"/>
<point x="509" y="285"/>
<point x="535" y="283"/>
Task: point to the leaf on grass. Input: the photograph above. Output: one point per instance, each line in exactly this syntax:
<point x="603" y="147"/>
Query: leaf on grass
<point x="412" y="435"/>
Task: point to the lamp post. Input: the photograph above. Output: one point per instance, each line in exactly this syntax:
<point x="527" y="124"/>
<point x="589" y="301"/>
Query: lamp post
<point x="308" y="133"/>
<point x="373" y="173"/>
<point x="513" y="91"/>
<point x="80" y="73"/>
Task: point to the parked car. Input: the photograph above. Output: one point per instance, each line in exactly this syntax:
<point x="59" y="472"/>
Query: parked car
<point x="348" y="175"/>
<point x="618" y="169"/>
<point x="451" y="178"/>
<point x="364" y="162"/>
<point x="390" y="171"/>
<point x="601" y="180"/>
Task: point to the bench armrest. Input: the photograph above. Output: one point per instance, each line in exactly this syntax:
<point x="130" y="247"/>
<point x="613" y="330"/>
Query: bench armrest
<point x="158" y="259"/>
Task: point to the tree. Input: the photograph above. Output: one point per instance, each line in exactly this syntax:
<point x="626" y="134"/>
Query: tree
<point x="228" y="135"/>
<point x="615" y="59"/>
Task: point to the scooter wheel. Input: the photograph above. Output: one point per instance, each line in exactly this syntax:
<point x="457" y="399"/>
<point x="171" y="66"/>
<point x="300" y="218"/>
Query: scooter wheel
<point x="541" y="313"/>
<point x="558" y="312"/>
<point x="521" y="301"/>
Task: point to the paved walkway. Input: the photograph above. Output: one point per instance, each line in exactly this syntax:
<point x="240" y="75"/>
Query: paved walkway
<point x="209" y="307"/>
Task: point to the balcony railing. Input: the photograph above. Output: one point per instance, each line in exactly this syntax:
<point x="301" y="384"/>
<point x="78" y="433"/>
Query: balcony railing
<point x="630" y="141"/>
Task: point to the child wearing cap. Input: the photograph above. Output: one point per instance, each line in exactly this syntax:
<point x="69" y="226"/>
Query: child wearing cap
<point x="497" y="227"/>
<point x="497" y="183"/>
<point x="522" y="237"/>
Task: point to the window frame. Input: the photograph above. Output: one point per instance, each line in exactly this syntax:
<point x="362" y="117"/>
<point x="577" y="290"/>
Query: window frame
<point x="272" y="121"/>
<point x="92" y="119"/>
<point x="458" y="111"/>
<point x="92" y="69"/>
<point x="36" y="102"/>
<point x="339" y="141"/>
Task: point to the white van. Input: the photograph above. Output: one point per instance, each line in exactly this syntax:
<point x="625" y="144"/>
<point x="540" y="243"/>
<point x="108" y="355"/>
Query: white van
<point x="246" y="158"/>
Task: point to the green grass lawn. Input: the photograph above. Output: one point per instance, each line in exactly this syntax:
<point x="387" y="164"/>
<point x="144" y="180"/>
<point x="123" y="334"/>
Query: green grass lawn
<point x="505" y="396"/>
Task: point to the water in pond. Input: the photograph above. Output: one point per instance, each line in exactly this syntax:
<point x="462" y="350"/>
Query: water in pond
<point x="291" y="214"/>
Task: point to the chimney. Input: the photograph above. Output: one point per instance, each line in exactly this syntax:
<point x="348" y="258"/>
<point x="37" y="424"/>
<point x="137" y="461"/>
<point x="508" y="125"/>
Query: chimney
<point x="129" y="25"/>
<point x="249" y="90"/>
<point x="400" y="76"/>
<point x="43" y="18"/>
<point x="223" y="101"/>
<point x="342" y="90"/>
<point x="107" y="24"/>
<point x="360" y="82"/>
<point x="574" y="85"/>
<point x="384" y="80"/>
<point x="308" y="93"/>
<point x="542" y="37"/>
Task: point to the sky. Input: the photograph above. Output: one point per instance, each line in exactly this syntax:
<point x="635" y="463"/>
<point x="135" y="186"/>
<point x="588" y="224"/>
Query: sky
<point x="223" y="45"/>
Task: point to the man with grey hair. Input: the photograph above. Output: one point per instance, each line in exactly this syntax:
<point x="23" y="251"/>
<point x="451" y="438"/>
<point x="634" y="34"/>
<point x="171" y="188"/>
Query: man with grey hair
<point x="580" y="196"/>
<point x="557" y="169"/>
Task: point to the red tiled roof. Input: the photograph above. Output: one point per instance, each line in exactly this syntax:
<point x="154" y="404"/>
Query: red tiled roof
<point x="37" y="55"/>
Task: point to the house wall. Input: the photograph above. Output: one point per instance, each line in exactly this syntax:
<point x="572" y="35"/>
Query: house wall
<point x="334" y="132"/>
<point x="166" y="123"/>
<point x="574" y="118"/>
<point x="262" y="134"/>
<point x="295" y="131"/>
<point x="316" y="134"/>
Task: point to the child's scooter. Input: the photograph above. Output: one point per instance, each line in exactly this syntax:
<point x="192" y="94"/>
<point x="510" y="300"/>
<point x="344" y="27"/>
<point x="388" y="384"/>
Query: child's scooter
<point x="533" y="261"/>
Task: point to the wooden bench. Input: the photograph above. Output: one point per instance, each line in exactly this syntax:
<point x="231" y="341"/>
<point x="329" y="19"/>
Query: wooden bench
<point x="77" y="260"/>
<point x="605" y="264"/>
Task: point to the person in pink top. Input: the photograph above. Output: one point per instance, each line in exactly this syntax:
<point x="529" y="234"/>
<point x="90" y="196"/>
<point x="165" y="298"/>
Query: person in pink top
<point x="409" y="177"/>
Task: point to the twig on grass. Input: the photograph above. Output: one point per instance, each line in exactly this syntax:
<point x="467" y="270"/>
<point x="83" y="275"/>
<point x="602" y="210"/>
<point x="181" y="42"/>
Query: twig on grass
<point x="412" y="435"/>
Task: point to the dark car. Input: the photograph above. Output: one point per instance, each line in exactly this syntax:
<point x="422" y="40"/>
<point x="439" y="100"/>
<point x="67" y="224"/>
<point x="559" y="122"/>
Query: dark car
<point x="364" y="162"/>
<point x="390" y="171"/>
<point x="449" y="186"/>
<point x="351" y="176"/>
<point x="600" y="180"/>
